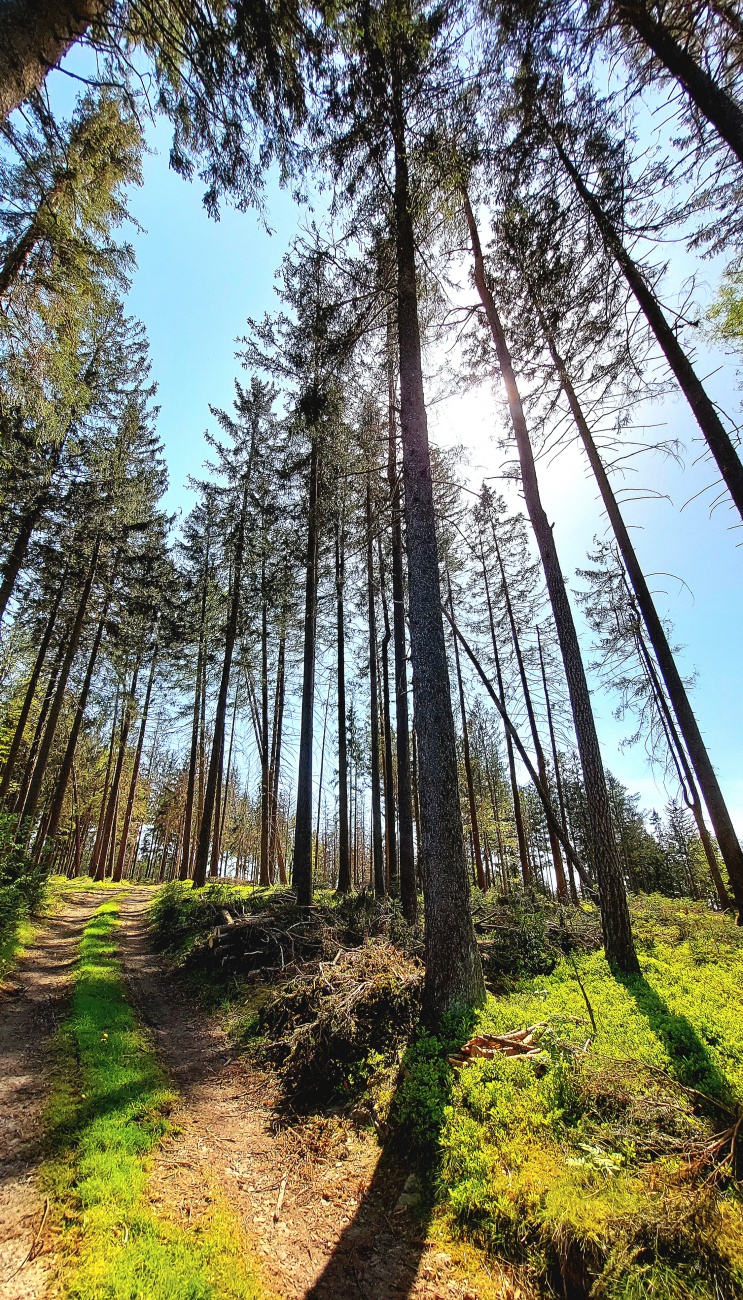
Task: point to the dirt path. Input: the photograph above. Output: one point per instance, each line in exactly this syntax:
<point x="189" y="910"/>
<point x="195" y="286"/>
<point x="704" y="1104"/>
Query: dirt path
<point x="343" y="1230"/>
<point x="32" y="1002"/>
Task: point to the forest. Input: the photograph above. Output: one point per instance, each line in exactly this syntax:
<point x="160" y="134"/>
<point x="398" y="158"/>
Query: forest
<point x="337" y="957"/>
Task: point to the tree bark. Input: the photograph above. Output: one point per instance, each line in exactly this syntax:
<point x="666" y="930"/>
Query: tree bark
<point x="408" y="885"/>
<point x="265" y="876"/>
<point x="278" y="720"/>
<point x="380" y="883"/>
<point x="184" y="870"/>
<point x="390" y="830"/>
<point x="344" y="860"/>
<point x="108" y="836"/>
<point x="69" y="756"/>
<point x="707" y="94"/>
<point x="709" y="785"/>
<point x="207" y="818"/>
<point x="556" y="765"/>
<point x="718" y="440"/>
<point x="302" y="864"/>
<point x="121" y="859"/>
<point x="468" y="763"/>
<point x="35" y="35"/>
<point x="15" y="559"/>
<point x="562" y="889"/>
<point x="453" y="970"/>
<point x="30" y="692"/>
<point x="615" y="917"/>
<point x="34" y="789"/>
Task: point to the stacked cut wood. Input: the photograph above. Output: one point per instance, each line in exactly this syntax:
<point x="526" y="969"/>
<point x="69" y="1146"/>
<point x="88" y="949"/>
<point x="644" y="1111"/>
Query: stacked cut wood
<point x="517" y="1042"/>
<point x="264" y="941"/>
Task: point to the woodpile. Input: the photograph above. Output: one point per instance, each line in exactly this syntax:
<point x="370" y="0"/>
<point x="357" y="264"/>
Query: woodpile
<point x="517" y="1042"/>
<point x="265" y="941"/>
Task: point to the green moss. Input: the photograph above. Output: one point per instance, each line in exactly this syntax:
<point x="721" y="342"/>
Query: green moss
<point x="108" y="1113"/>
<point x="580" y="1166"/>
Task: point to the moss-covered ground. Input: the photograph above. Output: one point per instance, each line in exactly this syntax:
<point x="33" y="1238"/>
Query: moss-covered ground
<point x="606" y="1167"/>
<point x="107" y="1115"/>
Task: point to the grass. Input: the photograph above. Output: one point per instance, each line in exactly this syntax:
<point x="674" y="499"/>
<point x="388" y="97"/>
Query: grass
<point x="593" y="1170"/>
<point x="107" y="1115"/>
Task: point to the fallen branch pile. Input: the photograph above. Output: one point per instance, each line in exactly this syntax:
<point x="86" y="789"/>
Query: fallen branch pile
<point x="517" y="1042"/>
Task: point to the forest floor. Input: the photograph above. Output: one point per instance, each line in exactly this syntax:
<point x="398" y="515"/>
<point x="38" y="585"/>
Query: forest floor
<point x="323" y="1211"/>
<point x="33" y="999"/>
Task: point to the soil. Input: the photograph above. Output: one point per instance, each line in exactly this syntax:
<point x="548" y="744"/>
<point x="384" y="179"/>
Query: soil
<point x="328" y="1213"/>
<point x="32" y="1005"/>
<point x="346" y="1227"/>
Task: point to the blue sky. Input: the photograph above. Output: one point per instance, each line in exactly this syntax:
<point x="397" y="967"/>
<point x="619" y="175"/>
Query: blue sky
<point x="197" y="282"/>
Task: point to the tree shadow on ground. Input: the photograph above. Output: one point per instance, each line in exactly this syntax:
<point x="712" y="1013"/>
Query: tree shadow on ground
<point x="691" y="1062"/>
<point x="378" y="1254"/>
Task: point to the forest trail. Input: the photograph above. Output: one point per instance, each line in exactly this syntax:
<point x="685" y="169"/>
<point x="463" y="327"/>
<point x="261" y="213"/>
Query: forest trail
<point x="342" y="1230"/>
<point x="32" y="1003"/>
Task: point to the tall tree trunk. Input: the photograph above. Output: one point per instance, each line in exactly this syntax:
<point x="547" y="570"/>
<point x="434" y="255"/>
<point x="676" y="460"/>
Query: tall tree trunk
<point x="319" y="783"/>
<point x="207" y="819"/>
<point x="453" y="970"/>
<point x="93" y="864"/>
<point x="518" y="814"/>
<point x="278" y="720"/>
<point x="121" y="859"/>
<point x="265" y="875"/>
<point x="408" y="885"/>
<point x="217" y="827"/>
<point x="703" y="90"/>
<point x="562" y="889"/>
<point x="184" y="869"/>
<point x="709" y="785"/>
<point x="228" y="773"/>
<point x="393" y="873"/>
<point x="380" y="883"/>
<point x="615" y="917"/>
<point x="474" y="823"/>
<point x="556" y="765"/>
<point x="69" y="755"/>
<point x="108" y="836"/>
<point x="30" y="692"/>
<point x="35" y="37"/>
<point x="19" y="550"/>
<point x="302" y="864"/>
<point x="344" y="861"/>
<point x="718" y="440"/>
<point x="686" y="779"/>
<point x="34" y="790"/>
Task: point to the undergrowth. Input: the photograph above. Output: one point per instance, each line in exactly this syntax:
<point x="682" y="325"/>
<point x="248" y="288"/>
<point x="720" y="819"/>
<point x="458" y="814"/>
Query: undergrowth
<point x="603" y="1168"/>
<point x="107" y="1115"/>
<point x="23" y="890"/>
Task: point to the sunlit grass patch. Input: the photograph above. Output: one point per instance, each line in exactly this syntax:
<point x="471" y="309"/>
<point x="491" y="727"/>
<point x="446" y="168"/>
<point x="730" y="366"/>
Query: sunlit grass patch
<point x="108" y="1113"/>
<point x="593" y="1168"/>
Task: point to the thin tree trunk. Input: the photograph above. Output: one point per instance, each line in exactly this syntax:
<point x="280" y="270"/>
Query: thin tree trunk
<point x="229" y="767"/>
<point x="344" y="861"/>
<point x="562" y="889"/>
<point x="34" y="790"/>
<point x="275" y="846"/>
<point x="709" y="785"/>
<point x="30" y="693"/>
<point x="615" y="917"/>
<point x="556" y="765"/>
<point x="393" y="873"/>
<point x="718" y="440"/>
<point x="380" y="884"/>
<point x="319" y="784"/>
<point x="108" y="837"/>
<point x="468" y="763"/>
<point x="184" y="870"/>
<point x="518" y="815"/>
<point x="408" y="884"/>
<point x="205" y="830"/>
<point x="93" y="865"/>
<point x="119" y="868"/>
<point x="302" y="864"/>
<point x="265" y="876"/>
<point x="69" y="756"/>
<point x="18" y="553"/>
<point x="217" y="828"/>
<point x="453" y="970"/>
